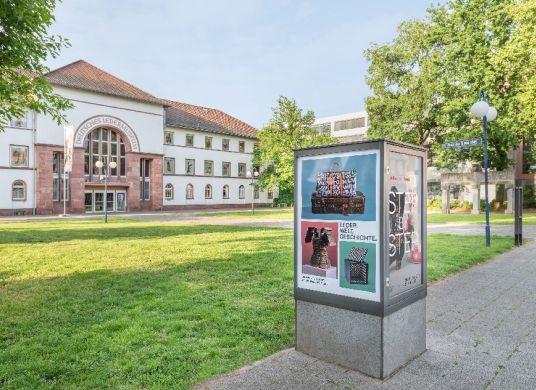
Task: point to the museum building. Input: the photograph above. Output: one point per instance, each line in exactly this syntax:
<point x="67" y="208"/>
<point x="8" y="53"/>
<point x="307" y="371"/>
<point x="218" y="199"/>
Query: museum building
<point x="157" y="154"/>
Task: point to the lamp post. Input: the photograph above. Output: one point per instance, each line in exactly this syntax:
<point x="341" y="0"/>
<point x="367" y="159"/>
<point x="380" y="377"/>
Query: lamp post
<point x="482" y="109"/>
<point x="99" y="164"/>
<point x="252" y="173"/>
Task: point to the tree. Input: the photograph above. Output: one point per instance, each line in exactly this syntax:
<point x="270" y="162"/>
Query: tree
<point x="24" y="45"/>
<point x="288" y="129"/>
<point x="426" y="80"/>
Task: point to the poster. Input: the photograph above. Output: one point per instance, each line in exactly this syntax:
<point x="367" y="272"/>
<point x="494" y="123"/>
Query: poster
<point x="404" y="205"/>
<point x="338" y="224"/>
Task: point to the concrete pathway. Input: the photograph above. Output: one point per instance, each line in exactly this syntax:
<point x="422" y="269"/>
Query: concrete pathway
<point x="481" y="334"/>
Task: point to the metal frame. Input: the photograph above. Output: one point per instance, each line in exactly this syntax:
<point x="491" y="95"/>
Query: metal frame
<point x="386" y="305"/>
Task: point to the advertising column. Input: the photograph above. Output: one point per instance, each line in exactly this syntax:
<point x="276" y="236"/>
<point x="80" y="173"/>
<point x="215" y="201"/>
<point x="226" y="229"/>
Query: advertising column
<point x="338" y="224"/>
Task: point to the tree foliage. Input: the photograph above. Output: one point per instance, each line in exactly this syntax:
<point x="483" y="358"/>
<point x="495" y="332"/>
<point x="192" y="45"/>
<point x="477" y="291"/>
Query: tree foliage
<point x="24" y="46"/>
<point x="288" y="129"/>
<point x="425" y="81"/>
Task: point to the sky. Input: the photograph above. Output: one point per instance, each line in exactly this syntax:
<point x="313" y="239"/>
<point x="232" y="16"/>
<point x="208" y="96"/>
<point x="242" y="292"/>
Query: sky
<point x="236" y="55"/>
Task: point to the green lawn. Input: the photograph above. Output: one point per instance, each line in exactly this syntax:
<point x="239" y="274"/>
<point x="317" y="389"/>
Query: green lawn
<point x="138" y="305"/>
<point x="276" y="214"/>
<point x="495" y="218"/>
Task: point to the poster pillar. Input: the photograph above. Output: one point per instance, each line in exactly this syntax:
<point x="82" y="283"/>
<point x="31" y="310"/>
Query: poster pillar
<point x="360" y="254"/>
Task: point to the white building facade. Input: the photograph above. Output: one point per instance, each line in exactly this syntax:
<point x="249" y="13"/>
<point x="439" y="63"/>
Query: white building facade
<point x="169" y="155"/>
<point x="350" y="127"/>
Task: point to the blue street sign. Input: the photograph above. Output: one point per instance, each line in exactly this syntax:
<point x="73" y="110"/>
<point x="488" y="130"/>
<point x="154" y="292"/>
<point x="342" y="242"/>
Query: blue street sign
<point x="463" y="144"/>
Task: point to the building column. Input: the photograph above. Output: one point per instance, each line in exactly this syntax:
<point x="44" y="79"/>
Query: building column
<point x="445" y="199"/>
<point x="510" y="199"/>
<point x="476" y="199"/>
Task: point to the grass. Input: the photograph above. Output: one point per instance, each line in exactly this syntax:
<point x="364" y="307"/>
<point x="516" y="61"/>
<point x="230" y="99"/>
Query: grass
<point x="464" y="218"/>
<point x="135" y="305"/>
<point x="448" y="253"/>
<point x="277" y="214"/>
<point x="495" y="218"/>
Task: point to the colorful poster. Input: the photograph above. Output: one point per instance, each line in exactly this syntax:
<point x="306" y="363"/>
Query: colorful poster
<point x="404" y="203"/>
<point x="338" y="224"/>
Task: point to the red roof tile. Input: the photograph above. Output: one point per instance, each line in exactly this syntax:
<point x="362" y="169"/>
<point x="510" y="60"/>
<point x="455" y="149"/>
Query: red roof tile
<point x="83" y="75"/>
<point x="206" y="119"/>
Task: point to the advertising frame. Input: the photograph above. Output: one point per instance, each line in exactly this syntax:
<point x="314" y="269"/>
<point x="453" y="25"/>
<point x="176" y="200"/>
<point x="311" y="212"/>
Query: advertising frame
<point x="386" y="303"/>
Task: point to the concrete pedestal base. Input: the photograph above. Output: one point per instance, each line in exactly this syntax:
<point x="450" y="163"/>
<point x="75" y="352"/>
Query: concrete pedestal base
<point x="374" y="345"/>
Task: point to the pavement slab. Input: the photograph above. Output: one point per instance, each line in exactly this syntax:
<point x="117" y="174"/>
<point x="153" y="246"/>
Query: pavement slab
<point x="481" y="334"/>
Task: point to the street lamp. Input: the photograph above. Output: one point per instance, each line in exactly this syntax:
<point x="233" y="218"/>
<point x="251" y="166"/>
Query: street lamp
<point x="482" y="109"/>
<point x="99" y="164"/>
<point x="252" y="173"/>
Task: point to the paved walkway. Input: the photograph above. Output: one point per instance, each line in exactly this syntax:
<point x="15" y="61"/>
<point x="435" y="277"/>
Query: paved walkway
<point x="481" y="334"/>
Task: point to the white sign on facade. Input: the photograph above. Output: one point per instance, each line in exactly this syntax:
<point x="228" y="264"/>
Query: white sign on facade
<point x="105" y="120"/>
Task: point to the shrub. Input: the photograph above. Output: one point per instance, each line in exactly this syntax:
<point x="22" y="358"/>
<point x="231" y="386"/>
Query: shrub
<point x="434" y="203"/>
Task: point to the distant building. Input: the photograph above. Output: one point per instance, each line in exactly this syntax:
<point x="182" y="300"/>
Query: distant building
<point x="464" y="183"/>
<point x="169" y="155"/>
<point x="350" y="127"/>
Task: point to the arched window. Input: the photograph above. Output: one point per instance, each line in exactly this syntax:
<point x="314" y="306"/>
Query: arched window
<point x="104" y="145"/>
<point x="241" y="192"/>
<point x="189" y="191"/>
<point x="18" y="190"/>
<point x="226" y="192"/>
<point x="168" y="191"/>
<point x="208" y="191"/>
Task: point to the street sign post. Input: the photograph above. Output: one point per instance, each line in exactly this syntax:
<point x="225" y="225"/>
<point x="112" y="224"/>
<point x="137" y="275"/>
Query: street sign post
<point x="463" y="144"/>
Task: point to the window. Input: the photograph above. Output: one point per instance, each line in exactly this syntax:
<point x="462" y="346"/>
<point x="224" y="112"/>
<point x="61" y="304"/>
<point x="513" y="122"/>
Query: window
<point x="242" y="169"/>
<point x="323" y="127"/>
<point x="209" y="168"/>
<point x="104" y="145"/>
<point x="241" y="146"/>
<point x="241" y="192"/>
<point x="57" y="178"/>
<point x="145" y="179"/>
<point x="208" y="142"/>
<point x="23" y="122"/>
<point x="353" y="123"/>
<point x="168" y="191"/>
<point x="255" y="145"/>
<point x="189" y="166"/>
<point x="168" y="137"/>
<point x="226" y="192"/>
<point x="226" y="168"/>
<point x="225" y="144"/>
<point x="270" y="194"/>
<point x="208" y="191"/>
<point x="256" y="193"/>
<point x="169" y="165"/>
<point x="19" y="155"/>
<point x="18" y="190"/>
<point x="189" y="191"/>
<point x="189" y="140"/>
<point x="529" y="162"/>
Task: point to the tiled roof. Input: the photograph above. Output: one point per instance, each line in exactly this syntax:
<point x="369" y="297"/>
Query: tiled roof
<point x="211" y="120"/>
<point x="83" y="75"/>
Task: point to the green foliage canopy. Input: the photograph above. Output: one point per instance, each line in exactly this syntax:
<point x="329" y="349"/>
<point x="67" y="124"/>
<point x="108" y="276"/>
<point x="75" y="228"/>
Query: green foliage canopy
<point x="424" y="82"/>
<point x="24" y="46"/>
<point x="288" y="129"/>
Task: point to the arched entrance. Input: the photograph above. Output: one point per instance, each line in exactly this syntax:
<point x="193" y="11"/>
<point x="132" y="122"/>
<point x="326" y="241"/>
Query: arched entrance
<point x="105" y="138"/>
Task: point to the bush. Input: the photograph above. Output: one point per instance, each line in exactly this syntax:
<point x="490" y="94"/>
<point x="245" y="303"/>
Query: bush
<point x="460" y="204"/>
<point x="285" y="197"/>
<point x="529" y="198"/>
<point x="434" y="203"/>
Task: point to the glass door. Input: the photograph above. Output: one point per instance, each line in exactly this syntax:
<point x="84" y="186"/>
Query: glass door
<point x="120" y="201"/>
<point x="99" y="202"/>
<point x="88" y="202"/>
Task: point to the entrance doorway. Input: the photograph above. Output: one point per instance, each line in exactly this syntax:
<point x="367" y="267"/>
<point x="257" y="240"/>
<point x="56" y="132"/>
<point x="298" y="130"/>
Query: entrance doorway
<point x="116" y="201"/>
